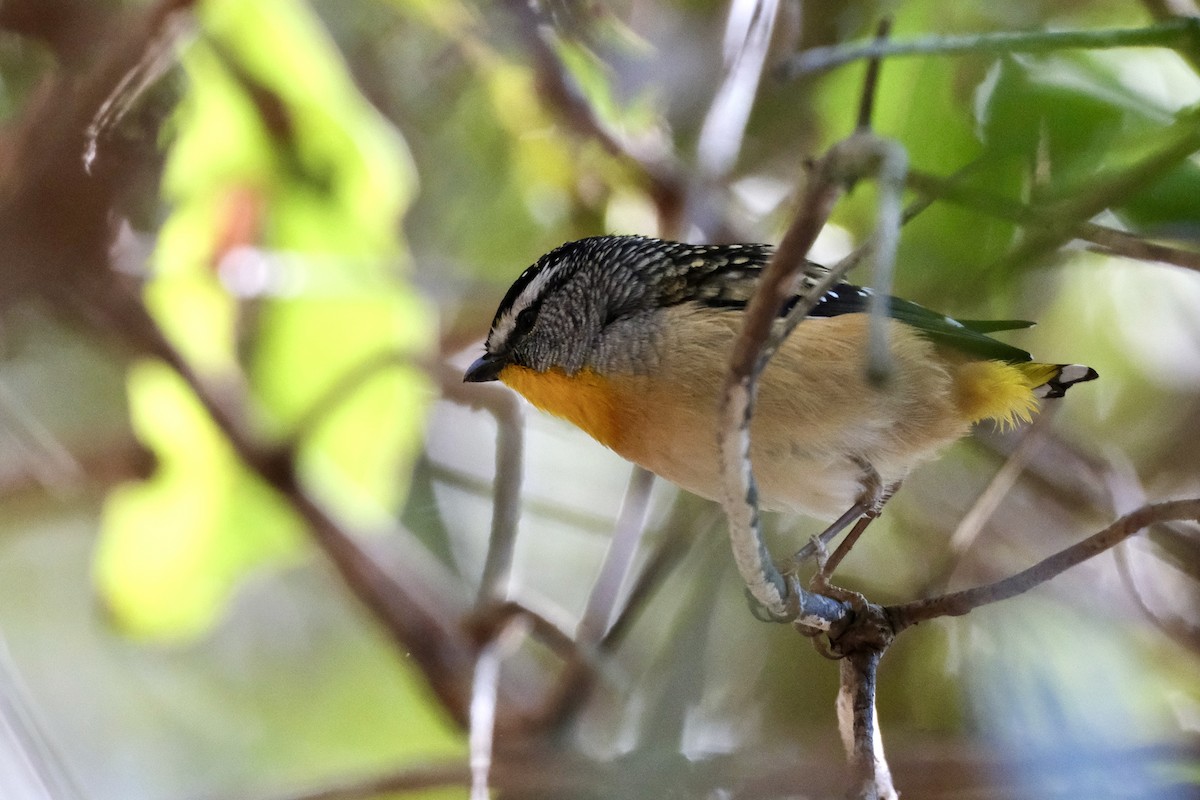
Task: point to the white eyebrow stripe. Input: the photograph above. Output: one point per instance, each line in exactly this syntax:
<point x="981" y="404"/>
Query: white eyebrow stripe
<point x="503" y="328"/>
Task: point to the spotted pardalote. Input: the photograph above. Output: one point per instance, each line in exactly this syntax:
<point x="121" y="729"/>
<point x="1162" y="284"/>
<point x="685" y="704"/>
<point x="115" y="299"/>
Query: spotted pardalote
<point x="630" y="338"/>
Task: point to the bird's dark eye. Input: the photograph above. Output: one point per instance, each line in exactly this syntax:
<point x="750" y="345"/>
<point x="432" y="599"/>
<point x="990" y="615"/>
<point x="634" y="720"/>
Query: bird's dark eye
<point x="524" y="322"/>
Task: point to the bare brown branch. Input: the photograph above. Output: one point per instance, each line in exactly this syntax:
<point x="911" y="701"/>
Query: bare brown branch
<point x="663" y="179"/>
<point x="959" y="603"/>
<point x="505" y="408"/>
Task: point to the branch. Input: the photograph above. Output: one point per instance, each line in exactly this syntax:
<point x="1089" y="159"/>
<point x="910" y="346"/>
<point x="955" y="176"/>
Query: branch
<point x="663" y="178"/>
<point x="1176" y="143"/>
<point x="760" y="337"/>
<point x="421" y="618"/>
<point x="506" y="409"/>
<point x="1108" y="240"/>
<point x="859" y="724"/>
<point x="958" y="603"/>
<point x="740" y="499"/>
<point x="1178" y="32"/>
<point x="618" y="560"/>
<point x="1166" y="10"/>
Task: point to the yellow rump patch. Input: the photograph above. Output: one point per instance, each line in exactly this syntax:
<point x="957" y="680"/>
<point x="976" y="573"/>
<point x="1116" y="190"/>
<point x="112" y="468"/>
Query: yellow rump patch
<point x="1000" y="391"/>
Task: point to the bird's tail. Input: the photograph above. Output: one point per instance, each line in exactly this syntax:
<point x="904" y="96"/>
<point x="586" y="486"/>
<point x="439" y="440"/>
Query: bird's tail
<point x="1053" y="380"/>
<point x="1008" y="393"/>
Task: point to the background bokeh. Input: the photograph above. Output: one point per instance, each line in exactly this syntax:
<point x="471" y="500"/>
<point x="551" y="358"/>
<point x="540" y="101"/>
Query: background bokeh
<point x="307" y="188"/>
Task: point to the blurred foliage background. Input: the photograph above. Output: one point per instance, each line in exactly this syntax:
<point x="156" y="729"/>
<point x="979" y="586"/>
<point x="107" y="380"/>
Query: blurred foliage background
<point x="321" y="204"/>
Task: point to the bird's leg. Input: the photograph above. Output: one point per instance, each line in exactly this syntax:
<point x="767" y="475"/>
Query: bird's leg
<point x="872" y="495"/>
<point x="867" y="518"/>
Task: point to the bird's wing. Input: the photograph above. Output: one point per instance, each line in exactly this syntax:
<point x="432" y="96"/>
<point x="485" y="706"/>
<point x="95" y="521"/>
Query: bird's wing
<point x="725" y="276"/>
<point x="968" y="336"/>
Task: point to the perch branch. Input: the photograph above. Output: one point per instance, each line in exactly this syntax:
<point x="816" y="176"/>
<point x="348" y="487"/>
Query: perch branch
<point x="958" y="603"/>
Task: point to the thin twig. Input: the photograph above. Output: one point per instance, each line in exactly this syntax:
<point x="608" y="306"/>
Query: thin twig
<point x="1171" y="33"/>
<point x="485" y="624"/>
<point x="342" y="390"/>
<point x="662" y="176"/>
<point x="1166" y="10"/>
<point x="506" y="409"/>
<point x="581" y="663"/>
<point x="959" y="603"/>
<point x="485" y="691"/>
<point x="748" y="30"/>
<point x="985" y="505"/>
<point x="419" y="614"/>
<point x="665" y="558"/>
<point x="844" y="547"/>
<point x="1176" y="143"/>
<point x="1111" y="240"/>
<point x="627" y="535"/>
<point x="1127" y="494"/>
<point x="866" y="103"/>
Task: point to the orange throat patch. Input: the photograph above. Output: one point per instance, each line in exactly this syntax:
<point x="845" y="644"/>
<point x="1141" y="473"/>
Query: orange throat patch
<point x="584" y="399"/>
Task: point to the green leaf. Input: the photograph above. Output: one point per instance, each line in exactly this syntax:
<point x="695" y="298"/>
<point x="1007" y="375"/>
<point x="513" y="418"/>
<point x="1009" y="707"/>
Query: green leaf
<point x="287" y="189"/>
<point x="170" y="553"/>
<point x="1071" y="115"/>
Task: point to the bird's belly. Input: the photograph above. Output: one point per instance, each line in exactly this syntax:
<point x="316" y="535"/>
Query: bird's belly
<point x="788" y="479"/>
<point x="819" y="479"/>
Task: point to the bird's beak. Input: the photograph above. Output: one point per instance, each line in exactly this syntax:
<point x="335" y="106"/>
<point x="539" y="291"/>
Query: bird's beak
<point x="484" y="369"/>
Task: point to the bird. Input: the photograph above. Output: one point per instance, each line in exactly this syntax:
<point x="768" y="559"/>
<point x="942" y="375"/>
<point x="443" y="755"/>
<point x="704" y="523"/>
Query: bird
<point x="630" y="338"/>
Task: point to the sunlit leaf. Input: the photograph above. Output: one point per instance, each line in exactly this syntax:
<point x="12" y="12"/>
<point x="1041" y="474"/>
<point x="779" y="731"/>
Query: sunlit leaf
<point x="170" y="555"/>
<point x="287" y="189"/>
<point x="1062" y="119"/>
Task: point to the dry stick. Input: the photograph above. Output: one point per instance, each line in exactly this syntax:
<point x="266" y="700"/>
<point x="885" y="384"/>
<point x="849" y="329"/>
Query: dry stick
<point x="661" y="563"/>
<point x="1128" y="493"/>
<point x="488" y="623"/>
<point x="660" y="173"/>
<point x="759" y="339"/>
<point x="784" y="597"/>
<point x="958" y="603"/>
<point x="420" y="617"/>
<point x="584" y="655"/>
<point x="627" y="535"/>
<point x="579" y="671"/>
<point x="1171" y="33"/>
<point x="859" y="725"/>
<point x="485" y="691"/>
<point x="1111" y="240"/>
<point x="748" y="29"/>
<point x="750" y="351"/>
<point x="506" y="409"/>
<point x="985" y="505"/>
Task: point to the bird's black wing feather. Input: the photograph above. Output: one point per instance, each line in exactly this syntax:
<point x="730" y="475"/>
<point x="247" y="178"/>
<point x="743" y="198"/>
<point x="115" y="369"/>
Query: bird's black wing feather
<point x="968" y="336"/>
<point x="725" y="276"/>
